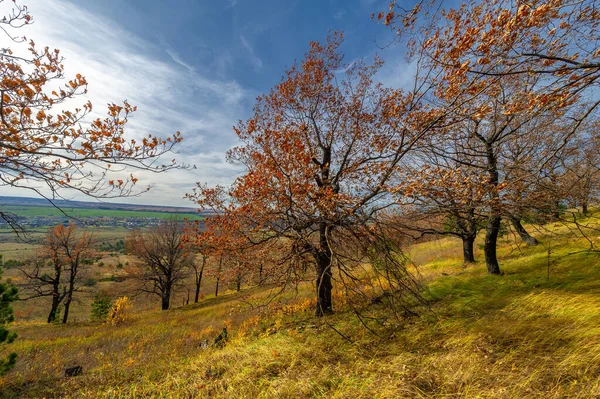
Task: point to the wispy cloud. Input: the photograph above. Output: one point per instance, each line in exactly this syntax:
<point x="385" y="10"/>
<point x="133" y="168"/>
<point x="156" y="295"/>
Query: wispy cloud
<point x="175" y="57"/>
<point x="118" y="65"/>
<point x="255" y="60"/>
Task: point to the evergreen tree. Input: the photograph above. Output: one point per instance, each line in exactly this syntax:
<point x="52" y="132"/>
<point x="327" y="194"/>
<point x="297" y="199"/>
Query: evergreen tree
<point x="8" y="294"/>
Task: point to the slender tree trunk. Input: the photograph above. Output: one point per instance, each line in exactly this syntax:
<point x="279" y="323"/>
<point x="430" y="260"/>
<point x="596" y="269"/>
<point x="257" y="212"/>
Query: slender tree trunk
<point x="239" y="283"/>
<point x="324" y="274"/>
<point x="468" y="252"/>
<point x="491" y="242"/>
<point x="67" y="307"/>
<point x="69" y="293"/>
<point x="494" y="219"/>
<point x="219" y="276"/>
<point x="199" y="280"/>
<point x="584" y="207"/>
<point x="197" y="294"/>
<point x="525" y="236"/>
<point x="56" y="299"/>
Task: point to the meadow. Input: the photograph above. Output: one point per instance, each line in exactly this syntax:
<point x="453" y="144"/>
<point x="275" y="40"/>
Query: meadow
<point x="532" y="332"/>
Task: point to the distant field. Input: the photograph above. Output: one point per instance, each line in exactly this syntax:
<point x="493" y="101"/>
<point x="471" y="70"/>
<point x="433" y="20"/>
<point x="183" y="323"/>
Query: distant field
<point x="29" y="211"/>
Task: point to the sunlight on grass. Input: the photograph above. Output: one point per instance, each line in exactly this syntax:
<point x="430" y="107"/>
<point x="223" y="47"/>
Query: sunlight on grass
<point x="528" y="333"/>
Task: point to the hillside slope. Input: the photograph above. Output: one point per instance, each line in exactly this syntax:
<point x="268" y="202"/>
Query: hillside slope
<point x="533" y="332"/>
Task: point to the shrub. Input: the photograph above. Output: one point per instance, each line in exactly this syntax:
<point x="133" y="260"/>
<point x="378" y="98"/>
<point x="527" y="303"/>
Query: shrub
<point x="90" y="282"/>
<point x="101" y="306"/>
<point x="118" y="313"/>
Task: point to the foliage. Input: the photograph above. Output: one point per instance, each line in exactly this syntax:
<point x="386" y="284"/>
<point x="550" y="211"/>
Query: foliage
<point x="8" y="294"/>
<point x="119" y="311"/>
<point x="101" y="306"/>
<point x="320" y="154"/>
<point x="42" y="145"/>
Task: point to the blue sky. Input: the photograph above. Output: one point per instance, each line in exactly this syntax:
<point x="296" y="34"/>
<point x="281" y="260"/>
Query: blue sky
<point x="196" y="66"/>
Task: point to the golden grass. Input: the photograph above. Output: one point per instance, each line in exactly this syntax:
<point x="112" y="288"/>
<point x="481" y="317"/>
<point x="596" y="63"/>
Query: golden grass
<point x="521" y="335"/>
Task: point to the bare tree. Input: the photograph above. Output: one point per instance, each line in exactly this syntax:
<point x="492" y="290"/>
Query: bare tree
<point x="65" y="252"/>
<point x="165" y="257"/>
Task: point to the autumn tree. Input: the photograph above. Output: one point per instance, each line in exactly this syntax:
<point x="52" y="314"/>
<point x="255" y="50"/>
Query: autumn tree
<point x="46" y="150"/>
<point x="441" y="197"/>
<point x="65" y="251"/>
<point x="580" y="167"/>
<point x="164" y="258"/>
<point x="320" y="154"/>
<point x="519" y="68"/>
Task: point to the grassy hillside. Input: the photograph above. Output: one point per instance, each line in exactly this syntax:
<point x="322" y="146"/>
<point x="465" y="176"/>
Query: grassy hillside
<point x="533" y="332"/>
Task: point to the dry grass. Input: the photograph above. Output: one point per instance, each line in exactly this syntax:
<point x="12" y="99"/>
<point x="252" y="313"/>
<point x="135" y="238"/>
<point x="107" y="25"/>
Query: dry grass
<point x="520" y="335"/>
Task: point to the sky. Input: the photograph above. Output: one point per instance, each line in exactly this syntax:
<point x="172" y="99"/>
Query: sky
<point x="196" y="66"/>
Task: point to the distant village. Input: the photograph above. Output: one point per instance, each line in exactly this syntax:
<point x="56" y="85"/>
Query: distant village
<point x="98" y="221"/>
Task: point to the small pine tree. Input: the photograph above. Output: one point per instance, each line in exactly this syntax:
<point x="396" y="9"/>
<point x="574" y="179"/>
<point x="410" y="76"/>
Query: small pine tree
<point x="101" y="307"/>
<point x="8" y="294"/>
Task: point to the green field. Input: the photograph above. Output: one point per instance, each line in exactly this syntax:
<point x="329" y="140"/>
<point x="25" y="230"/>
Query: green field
<point x="31" y="211"/>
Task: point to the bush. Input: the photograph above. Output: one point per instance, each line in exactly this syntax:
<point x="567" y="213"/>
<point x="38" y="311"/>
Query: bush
<point x="90" y="282"/>
<point x="118" y="313"/>
<point x="101" y="307"/>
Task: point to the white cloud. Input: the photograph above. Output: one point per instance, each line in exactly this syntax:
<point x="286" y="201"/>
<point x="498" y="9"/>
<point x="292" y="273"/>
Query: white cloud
<point x="118" y="65"/>
<point x="175" y="57"/>
<point x="257" y="62"/>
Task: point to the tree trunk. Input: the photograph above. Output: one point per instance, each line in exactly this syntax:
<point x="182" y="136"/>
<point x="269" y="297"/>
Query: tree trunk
<point x="67" y="306"/>
<point x="199" y="280"/>
<point x="53" y="309"/>
<point x="324" y="285"/>
<point x="494" y="219"/>
<point x="239" y="283"/>
<point x="491" y="241"/>
<point x="56" y="300"/>
<point x="197" y="294"/>
<point x="525" y="236"/>
<point x="584" y="207"/>
<point x="69" y="294"/>
<point x="468" y="253"/>
<point x="217" y="288"/>
<point x="166" y="298"/>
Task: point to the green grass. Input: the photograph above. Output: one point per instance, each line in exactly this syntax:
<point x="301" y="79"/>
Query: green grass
<point x="30" y="211"/>
<point x="525" y="334"/>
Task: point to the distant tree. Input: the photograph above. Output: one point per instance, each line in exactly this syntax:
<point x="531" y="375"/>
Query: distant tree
<point x="441" y="197"/>
<point x="8" y="294"/>
<point x="580" y="178"/>
<point x="65" y="251"/>
<point x="165" y="257"/>
<point x="60" y="150"/>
